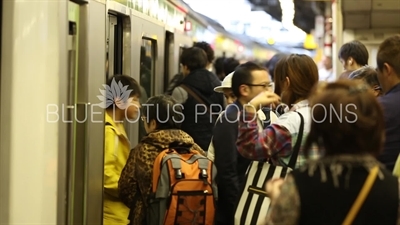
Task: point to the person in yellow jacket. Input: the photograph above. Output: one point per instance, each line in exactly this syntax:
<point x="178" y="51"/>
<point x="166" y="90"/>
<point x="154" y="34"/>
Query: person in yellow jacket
<point x="124" y="105"/>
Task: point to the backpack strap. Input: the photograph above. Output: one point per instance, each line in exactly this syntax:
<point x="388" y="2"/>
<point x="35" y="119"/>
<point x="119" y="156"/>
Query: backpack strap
<point x="198" y="99"/>
<point x="176" y="165"/>
<point x="157" y="169"/>
<point x="203" y="166"/>
<point x="296" y="148"/>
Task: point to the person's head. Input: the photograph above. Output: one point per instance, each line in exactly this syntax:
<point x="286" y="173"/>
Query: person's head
<point x="346" y="119"/>
<point x="230" y="64"/>
<point x="249" y="80"/>
<point x="369" y="76"/>
<point x="192" y="59"/>
<point x="226" y="89"/>
<point x="207" y="49"/>
<point x="219" y="67"/>
<point x="160" y="113"/>
<point x="327" y="62"/>
<point x="295" y="76"/>
<point x="271" y="64"/>
<point x="126" y="93"/>
<point x="353" y="55"/>
<point x="388" y="61"/>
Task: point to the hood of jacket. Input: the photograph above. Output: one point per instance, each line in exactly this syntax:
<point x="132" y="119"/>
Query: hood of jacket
<point x="164" y="139"/>
<point x="203" y="80"/>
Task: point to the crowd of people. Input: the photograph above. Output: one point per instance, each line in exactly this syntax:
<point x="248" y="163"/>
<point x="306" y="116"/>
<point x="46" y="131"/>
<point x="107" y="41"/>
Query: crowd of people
<point x="340" y="137"/>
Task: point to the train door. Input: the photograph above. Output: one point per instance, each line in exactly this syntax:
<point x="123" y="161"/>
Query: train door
<point x="84" y="117"/>
<point x="148" y="60"/>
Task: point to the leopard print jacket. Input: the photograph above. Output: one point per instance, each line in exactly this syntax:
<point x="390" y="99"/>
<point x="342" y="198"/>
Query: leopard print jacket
<point x="135" y="181"/>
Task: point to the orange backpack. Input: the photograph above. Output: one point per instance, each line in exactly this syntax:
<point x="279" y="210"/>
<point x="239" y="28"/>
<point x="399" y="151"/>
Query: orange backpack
<point x="183" y="189"/>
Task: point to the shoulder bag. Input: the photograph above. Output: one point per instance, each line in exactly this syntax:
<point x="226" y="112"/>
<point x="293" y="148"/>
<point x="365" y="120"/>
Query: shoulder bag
<point x="254" y="201"/>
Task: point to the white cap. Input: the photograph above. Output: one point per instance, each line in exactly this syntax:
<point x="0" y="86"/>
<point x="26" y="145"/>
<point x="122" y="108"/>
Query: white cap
<point x="226" y="83"/>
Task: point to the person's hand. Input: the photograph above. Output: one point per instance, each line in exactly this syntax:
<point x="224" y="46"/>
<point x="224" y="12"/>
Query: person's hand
<point x="273" y="187"/>
<point x="265" y="98"/>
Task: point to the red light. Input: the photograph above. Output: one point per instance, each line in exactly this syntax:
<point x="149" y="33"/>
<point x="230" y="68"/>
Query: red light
<point x="188" y="26"/>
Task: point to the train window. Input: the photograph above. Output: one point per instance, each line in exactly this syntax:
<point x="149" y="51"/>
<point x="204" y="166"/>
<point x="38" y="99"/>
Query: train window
<point x="113" y="42"/>
<point x="147" y="58"/>
<point x="114" y="46"/>
<point x="147" y="71"/>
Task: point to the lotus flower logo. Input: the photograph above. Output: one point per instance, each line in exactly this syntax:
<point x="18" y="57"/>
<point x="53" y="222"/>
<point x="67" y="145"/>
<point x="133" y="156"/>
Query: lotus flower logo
<point x="116" y="94"/>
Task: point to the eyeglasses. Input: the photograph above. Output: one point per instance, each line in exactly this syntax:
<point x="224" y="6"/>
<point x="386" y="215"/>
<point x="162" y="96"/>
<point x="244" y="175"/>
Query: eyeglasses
<point x="265" y="85"/>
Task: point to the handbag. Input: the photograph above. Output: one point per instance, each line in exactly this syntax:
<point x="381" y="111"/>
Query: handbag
<point x="254" y="202"/>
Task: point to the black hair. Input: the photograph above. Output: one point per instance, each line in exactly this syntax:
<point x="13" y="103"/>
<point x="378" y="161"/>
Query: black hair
<point x="230" y="64"/>
<point x="389" y="52"/>
<point x="207" y="48"/>
<point x="164" y="110"/>
<point x="356" y="50"/>
<point x="219" y="66"/>
<point x="242" y="75"/>
<point x="194" y="58"/>
<point x="121" y="81"/>
<point x="271" y="64"/>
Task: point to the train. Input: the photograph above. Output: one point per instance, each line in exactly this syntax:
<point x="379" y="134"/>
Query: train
<point x="55" y="58"/>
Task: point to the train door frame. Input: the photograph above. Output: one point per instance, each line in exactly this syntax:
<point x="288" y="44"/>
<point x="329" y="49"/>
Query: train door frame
<point x="169" y="52"/>
<point x="1" y="29"/>
<point x="118" y="44"/>
<point x="95" y="58"/>
<point x="84" y="188"/>
<point x="75" y="189"/>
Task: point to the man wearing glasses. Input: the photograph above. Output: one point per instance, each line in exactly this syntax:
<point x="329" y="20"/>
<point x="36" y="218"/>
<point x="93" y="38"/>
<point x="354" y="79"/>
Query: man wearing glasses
<point x="388" y="61"/>
<point x="248" y="81"/>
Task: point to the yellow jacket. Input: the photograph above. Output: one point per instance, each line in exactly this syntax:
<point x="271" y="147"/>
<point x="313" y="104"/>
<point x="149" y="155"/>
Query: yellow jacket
<point x="396" y="169"/>
<point x="117" y="149"/>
